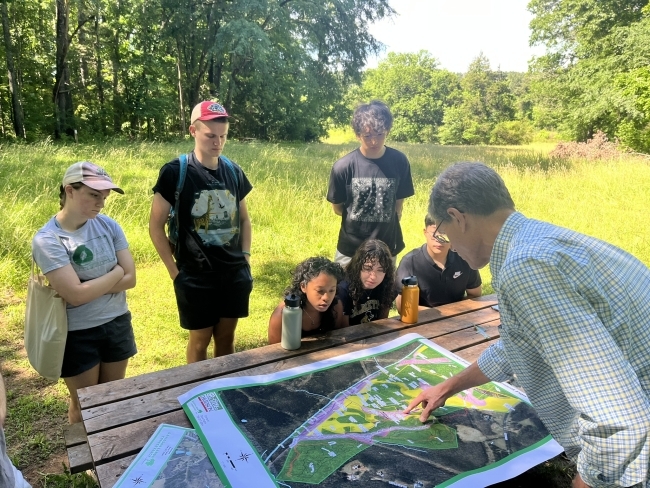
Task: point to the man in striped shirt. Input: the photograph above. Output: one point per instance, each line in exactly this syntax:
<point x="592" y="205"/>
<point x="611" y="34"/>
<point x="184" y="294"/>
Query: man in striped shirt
<point x="575" y="326"/>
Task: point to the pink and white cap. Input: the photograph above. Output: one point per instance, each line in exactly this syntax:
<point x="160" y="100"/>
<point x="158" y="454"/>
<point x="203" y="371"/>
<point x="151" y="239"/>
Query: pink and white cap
<point x="90" y="175"/>
<point x="208" y="111"/>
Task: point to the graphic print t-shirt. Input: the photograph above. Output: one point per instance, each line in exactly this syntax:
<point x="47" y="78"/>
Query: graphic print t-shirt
<point x="91" y="250"/>
<point x="368" y="190"/>
<point x="209" y="233"/>
<point x="366" y="310"/>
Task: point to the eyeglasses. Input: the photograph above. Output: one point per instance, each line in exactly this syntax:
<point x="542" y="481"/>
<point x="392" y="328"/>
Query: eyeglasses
<point x="439" y="237"/>
<point x="369" y="137"/>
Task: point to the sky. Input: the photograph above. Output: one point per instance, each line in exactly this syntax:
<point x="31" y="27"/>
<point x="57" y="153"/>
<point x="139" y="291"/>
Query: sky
<point x="456" y="31"/>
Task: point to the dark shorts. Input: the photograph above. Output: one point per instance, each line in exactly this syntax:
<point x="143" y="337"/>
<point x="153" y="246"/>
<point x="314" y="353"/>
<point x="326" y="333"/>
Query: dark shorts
<point x="107" y="343"/>
<point x="204" y="298"/>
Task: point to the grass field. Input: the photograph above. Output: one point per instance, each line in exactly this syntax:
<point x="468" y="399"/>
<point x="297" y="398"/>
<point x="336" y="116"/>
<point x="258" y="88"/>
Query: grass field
<point x="291" y="221"/>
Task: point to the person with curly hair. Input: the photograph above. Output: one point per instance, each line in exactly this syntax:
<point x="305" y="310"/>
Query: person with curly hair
<point x="315" y="281"/>
<point x="367" y="291"/>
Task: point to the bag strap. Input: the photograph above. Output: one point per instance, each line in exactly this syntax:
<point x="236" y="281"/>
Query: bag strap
<point x="179" y="186"/>
<point x="38" y="276"/>
<point x="231" y="166"/>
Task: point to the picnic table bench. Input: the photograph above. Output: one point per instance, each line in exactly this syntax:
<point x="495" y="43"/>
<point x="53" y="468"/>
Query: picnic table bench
<point x="119" y="417"/>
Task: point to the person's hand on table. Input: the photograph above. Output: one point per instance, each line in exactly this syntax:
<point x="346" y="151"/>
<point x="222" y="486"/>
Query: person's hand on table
<point x="578" y="483"/>
<point x="431" y="398"/>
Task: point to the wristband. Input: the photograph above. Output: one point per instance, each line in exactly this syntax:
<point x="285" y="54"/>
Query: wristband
<point x="246" y="252"/>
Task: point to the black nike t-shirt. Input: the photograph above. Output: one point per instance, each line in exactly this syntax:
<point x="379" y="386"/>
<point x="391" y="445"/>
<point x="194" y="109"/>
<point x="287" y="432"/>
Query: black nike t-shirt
<point x="437" y="286"/>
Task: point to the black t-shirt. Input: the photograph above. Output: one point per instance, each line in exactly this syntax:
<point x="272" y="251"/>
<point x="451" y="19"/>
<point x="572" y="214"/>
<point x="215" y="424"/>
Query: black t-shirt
<point x="208" y="234"/>
<point x="368" y="190"/>
<point x="366" y="310"/>
<point x="437" y="286"/>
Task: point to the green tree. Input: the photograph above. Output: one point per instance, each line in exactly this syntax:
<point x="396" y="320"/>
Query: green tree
<point x="486" y="101"/>
<point x="417" y="91"/>
<point x="591" y="44"/>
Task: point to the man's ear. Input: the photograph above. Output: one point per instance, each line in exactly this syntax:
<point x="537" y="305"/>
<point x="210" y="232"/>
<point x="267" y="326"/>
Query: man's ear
<point x="458" y="217"/>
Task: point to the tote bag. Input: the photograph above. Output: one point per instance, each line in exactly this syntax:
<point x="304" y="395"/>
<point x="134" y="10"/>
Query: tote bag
<point x="46" y="326"/>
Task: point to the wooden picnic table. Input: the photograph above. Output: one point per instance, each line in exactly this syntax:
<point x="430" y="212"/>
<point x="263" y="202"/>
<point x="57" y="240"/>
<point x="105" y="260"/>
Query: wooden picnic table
<point x="119" y="417"/>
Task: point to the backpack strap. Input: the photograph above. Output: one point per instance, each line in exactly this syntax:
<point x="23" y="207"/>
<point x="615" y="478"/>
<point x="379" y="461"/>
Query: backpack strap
<point x="179" y="188"/>
<point x="231" y="166"/>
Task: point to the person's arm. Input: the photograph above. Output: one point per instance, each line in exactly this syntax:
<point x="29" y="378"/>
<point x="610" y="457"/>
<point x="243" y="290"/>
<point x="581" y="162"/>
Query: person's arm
<point x="157" y="220"/>
<point x="474" y="292"/>
<point x="275" y="324"/>
<point x="125" y="260"/>
<point x="578" y="483"/>
<point x="338" y="208"/>
<point x="399" y="205"/>
<point x="245" y="229"/>
<point x="437" y="395"/>
<point x="341" y="320"/>
<point x="3" y="402"/>
<point x="588" y="366"/>
<point x="66" y="283"/>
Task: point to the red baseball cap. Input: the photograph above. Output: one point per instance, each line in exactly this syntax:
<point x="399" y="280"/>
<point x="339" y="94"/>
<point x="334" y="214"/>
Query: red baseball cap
<point x="208" y="111"/>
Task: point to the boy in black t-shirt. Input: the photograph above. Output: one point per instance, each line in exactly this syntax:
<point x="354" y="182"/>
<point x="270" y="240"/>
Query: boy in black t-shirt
<point x="443" y="276"/>
<point x="368" y="186"/>
<point x="210" y="267"/>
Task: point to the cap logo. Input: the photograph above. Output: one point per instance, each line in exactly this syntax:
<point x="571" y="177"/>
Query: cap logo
<point x="216" y="108"/>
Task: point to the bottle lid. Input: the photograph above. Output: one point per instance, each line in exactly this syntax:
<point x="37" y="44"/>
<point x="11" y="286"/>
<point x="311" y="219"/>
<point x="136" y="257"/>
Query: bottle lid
<point x="292" y="300"/>
<point x="410" y="281"/>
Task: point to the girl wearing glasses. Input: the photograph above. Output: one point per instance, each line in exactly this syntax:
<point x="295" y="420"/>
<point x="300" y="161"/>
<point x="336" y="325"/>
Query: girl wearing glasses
<point x="367" y="292"/>
<point x="314" y="281"/>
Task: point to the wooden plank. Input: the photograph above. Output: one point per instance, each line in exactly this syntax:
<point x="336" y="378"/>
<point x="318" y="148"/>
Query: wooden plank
<point x="471" y="354"/>
<point x="80" y="458"/>
<point x="120" y="431"/>
<point x="468" y="337"/>
<point x="133" y="409"/>
<point x="108" y="474"/>
<point x="76" y="443"/>
<point x="130" y="439"/>
<point x="204" y="370"/>
<point x="74" y="434"/>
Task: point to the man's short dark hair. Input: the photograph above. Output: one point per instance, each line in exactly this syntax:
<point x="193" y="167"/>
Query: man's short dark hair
<point x="472" y="188"/>
<point x="429" y="220"/>
<point x="375" y="116"/>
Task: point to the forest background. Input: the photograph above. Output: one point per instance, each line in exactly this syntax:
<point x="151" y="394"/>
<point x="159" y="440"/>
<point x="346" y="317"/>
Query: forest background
<point x="121" y="76"/>
<point x="293" y="69"/>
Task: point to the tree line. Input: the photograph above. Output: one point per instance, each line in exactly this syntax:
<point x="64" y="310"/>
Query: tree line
<point x="289" y="69"/>
<point x="137" y="67"/>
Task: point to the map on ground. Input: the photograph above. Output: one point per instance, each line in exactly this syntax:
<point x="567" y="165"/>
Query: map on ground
<point x="173" y="458"/>
<point x="339" y="422"/>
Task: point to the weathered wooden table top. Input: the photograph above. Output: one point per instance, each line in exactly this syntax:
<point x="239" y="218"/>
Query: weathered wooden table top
<point x="119" y="417"/>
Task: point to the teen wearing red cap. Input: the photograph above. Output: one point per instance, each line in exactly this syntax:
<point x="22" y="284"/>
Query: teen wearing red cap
<point x="210" y="266"/>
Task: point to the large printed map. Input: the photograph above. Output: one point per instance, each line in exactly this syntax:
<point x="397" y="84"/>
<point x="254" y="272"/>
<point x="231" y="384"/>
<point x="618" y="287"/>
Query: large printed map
<point x="340" y="422"/>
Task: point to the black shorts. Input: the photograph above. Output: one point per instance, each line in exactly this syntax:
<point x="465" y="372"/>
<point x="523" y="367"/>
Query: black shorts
<point x="203" y="298"/>
<point x="107" y="343"/>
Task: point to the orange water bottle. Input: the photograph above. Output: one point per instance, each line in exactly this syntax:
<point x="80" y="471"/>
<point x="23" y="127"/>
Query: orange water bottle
<point x="410" y="299"/>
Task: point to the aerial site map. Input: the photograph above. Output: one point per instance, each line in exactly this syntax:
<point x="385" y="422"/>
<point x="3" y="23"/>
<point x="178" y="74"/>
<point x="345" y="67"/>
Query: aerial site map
<point x="339" y="422"/>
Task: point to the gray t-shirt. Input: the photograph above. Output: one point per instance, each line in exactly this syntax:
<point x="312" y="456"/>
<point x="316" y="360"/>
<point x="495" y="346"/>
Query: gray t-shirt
<point x="91" y="250"/>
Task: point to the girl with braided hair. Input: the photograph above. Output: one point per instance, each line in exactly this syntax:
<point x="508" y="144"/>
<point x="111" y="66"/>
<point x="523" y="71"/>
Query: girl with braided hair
<point x="314" y="280"/>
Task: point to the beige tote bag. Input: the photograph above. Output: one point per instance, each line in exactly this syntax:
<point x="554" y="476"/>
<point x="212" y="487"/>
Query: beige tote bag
<point x="46" y="326"/>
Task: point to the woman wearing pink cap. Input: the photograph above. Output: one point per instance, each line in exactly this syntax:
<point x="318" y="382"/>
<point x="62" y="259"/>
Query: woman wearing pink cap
<point x="86" y="259"/>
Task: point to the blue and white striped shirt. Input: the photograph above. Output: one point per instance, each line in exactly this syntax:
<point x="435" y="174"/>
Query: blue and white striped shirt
<point x="575" y="328"/>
